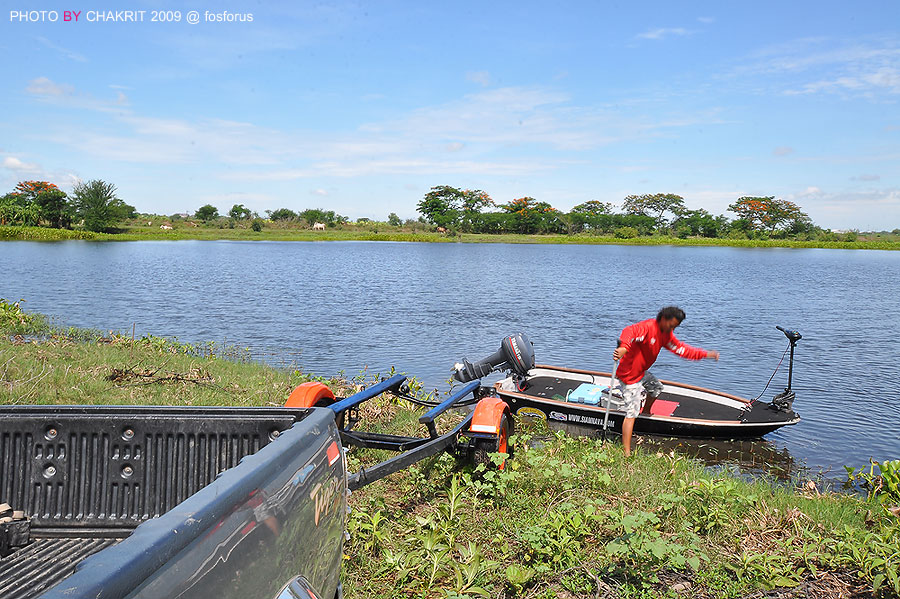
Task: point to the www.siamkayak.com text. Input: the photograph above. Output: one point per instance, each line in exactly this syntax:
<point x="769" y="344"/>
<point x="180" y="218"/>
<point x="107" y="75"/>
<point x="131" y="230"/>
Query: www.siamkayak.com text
<point x="128" y="16"/>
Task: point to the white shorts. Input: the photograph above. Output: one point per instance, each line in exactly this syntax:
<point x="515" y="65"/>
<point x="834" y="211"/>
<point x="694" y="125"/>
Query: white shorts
<point x="633" y="396"/>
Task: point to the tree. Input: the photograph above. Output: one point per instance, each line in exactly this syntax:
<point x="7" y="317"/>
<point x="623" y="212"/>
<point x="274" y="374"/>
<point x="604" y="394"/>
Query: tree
<point x="44" y="200"/>
<point x="655" y="205"/>
<point x="282" y="214"/>
<point x="394" y="220"/>
<point x="767" y="213"/>
<point x="441" y="205"/>
<point x="699" y="222"/>
<point x="471" y="203"/>
<point x="238" y="212"/>
<point x="530" y="216"/>
<point x="207" y="212"/>
<point x="592" y="214"/>
<point x="319" y="215"/>
<point x="96" y="203"/>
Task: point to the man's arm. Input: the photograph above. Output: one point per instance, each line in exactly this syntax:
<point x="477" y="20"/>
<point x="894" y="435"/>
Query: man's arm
<point x="679" y="348"/>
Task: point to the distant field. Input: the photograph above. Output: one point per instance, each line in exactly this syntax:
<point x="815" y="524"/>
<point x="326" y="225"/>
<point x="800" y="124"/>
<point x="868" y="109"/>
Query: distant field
<point x="871" y="241"/>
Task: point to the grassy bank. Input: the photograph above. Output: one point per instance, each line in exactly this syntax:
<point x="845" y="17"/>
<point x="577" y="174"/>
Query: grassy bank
<point x="568" y="517"/>
<point x="397" y="234"/>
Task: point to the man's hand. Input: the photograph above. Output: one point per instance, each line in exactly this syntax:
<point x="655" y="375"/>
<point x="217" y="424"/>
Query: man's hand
<point x="712" y="355"/>
<point x="619" y="353"/>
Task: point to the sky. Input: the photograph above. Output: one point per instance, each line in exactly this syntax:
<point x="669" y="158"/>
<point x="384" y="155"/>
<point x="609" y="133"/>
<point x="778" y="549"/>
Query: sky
<point x="361" y="108"/>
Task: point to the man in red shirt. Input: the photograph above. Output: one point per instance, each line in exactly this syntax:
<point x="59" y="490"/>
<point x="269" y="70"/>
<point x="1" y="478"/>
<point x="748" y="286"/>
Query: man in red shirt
<point x="638" y="347"/>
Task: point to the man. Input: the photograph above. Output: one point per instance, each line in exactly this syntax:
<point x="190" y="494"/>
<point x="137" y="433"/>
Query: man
<point x="638" y="347"/>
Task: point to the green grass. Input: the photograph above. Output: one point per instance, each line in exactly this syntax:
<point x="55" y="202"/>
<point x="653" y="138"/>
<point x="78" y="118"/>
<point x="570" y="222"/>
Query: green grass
<point x="568" y="517"/>
<point x="387" y="233"/>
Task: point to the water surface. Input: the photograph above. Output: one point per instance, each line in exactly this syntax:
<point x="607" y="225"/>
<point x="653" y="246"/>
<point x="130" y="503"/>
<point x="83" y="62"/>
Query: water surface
<point x="347" y="306"/>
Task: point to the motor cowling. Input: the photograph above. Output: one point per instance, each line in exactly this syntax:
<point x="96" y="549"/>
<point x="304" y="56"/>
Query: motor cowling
<point x="516" y="354"/>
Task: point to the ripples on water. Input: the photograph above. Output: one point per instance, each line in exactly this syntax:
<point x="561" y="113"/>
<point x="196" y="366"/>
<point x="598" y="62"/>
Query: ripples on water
<point x="327" y="307"/>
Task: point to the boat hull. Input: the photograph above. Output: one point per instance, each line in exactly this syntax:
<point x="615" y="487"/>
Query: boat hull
<point x="680" y="411"/>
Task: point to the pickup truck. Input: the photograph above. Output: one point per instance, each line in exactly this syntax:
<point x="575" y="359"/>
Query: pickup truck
<point x="149" y="502"/>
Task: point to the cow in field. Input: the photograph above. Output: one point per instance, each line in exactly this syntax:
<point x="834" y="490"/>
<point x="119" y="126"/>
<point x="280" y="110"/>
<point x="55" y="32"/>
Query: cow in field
<point x="319" y="227"/>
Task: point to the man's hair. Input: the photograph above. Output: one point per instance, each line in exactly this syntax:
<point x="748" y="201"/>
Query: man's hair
<point x="670" y="312"/>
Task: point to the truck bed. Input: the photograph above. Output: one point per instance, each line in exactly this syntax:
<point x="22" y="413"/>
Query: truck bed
<point x="87" y="476"/>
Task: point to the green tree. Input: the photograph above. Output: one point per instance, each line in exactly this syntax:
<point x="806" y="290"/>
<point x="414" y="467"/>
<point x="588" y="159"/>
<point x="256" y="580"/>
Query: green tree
<point x="394" y="220"/>
<point x="206" y="213"/>
<point x="592" y="214"/>
<point x="441" y="206"/>
<point x="238" y="212"/>
<point x="531" y="216"/>
<point x="699" y="223"/>
<point x="319" y="215"/>
<point x="656" y="206"/>
<point x="257" y="225"/>
<point x="471" y="203"/>
<point x="282" y="214"/>
<point x="95" y="202"/>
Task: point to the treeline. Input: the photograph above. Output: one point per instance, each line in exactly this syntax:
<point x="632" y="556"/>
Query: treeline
<point x="93" y="206"/>
<point x="470" y="211"/>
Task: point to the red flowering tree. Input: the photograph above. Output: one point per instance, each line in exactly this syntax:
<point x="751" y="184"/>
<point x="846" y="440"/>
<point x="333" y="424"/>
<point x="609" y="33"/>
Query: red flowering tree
<point x="767" y="213"/>
<point x="530" y="216"/>
<point x="45" y="200"/>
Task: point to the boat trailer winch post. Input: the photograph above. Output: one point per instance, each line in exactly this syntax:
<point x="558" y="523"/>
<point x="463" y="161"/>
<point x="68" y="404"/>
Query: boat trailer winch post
<point x="412" y="449"/>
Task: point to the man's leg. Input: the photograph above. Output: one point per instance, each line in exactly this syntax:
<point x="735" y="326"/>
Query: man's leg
<point x="631" y="395"/>
<point x="627" y="428"/>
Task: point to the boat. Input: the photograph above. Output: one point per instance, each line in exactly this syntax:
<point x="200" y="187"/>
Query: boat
<point x="582" y="397"/>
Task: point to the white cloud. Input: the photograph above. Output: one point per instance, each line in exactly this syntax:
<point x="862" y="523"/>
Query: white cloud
<point x="482" y="78"/>
<point x="319" y="192"/>
<point x="63" y="51"/>
<point x="866" y="178"/>
<point x="42" y="86"/>
<point x="14" y="164"/>
<point x="865" y="68"/>
<point x="663" y="32"/>
<point x="783" y="150"/>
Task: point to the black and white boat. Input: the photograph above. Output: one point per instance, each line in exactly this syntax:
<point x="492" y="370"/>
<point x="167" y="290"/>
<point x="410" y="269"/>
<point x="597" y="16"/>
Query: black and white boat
<point x="582" y="397"/>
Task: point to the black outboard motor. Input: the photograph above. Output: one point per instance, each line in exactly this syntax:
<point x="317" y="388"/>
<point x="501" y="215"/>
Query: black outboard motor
<point x="784" y="401"/>
<point x="516" y="353"/>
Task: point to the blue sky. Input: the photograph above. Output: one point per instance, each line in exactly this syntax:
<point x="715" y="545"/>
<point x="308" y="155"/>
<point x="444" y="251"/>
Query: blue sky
<point x="362" y="108"/>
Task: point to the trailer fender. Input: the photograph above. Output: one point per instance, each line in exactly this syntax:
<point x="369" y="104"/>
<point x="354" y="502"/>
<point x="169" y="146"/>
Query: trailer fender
<point x="308" y="395"/>
<point x="488" y="415"/>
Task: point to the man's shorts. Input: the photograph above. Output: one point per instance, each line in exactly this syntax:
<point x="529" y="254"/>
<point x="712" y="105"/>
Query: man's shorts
<point x="633" y="395"/>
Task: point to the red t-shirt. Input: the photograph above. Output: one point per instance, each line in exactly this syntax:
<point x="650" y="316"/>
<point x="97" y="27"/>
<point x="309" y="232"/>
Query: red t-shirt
<point x="643" y="340"/>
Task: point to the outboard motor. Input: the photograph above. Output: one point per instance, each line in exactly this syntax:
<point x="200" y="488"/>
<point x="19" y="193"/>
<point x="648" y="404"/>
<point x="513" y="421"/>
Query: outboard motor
<point x="784" y="401"/>
<point x="516" y="353"/>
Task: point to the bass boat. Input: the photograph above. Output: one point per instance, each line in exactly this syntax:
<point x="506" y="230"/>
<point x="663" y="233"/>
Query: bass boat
<point x="582" y="397"/>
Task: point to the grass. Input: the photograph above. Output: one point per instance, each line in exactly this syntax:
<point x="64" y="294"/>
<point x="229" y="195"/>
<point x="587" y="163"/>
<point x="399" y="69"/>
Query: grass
<point x="568" y="517"/>
<point x="388" y="233"/>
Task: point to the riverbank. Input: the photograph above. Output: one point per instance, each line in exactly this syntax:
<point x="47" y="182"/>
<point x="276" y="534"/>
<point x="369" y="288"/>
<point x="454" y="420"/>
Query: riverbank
<point x="8" y="233"/>
<point x="569" y="517"/>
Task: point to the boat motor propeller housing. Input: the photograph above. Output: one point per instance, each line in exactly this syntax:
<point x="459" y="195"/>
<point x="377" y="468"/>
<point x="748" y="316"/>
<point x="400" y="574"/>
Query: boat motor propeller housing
<point x="516" y="353"/>
<point x="784" y="401"/>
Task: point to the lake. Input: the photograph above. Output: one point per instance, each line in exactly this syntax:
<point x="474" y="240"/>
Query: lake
<point x="350" y="306"/>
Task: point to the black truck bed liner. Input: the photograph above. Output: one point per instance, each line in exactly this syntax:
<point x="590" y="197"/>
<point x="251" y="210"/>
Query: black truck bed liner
<point x="86" y="476"/>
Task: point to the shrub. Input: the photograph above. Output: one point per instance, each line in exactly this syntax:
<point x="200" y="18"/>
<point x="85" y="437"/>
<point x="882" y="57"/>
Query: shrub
<point x="257" y="225"/>
<point x="626" y="233"/>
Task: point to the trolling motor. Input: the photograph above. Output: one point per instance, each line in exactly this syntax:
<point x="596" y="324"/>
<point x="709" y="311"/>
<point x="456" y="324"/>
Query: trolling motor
<point x="784" y="401"/>
<point x="516" y="353"/>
